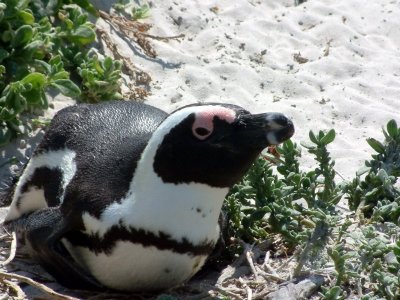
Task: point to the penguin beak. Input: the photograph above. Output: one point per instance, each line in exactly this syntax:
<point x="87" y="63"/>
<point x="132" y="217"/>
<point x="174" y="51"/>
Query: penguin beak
<point x="267" y="129"/>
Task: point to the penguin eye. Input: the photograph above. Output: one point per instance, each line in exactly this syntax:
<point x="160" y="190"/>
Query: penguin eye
<point x="201" y="133"/>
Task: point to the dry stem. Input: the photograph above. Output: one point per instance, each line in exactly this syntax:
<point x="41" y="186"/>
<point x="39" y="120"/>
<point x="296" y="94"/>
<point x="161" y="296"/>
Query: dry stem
<point x="20" y="293"/>
<point x="13" y="250"/>
<point x="251" y="263"/>
<point x="136" y="31"/>
<point x="37" y="285"/>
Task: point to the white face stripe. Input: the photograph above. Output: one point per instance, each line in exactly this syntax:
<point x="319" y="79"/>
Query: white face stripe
<point x="61" y="159"/>
<point x="272" y="124"/>
<point x="271" y="138"/>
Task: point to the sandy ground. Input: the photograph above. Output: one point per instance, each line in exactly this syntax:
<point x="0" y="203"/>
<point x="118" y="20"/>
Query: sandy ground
<point x="243" y="52"/>
<point x="326" y="64"/>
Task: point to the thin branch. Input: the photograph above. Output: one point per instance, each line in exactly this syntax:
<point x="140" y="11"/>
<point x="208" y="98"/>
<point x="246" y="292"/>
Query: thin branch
<point x="251" y="264"/>
<point x="227" y="292"/>
<point x="262" y="294"/>
<point x="13" y="250"/>
<point x="269" y="276"/>
<point x="249" y="293"/>
<point x="163" y="38"/>
<point x="45" y="289"/>
<point x="137" y="32"/>
<point x="267" y="266"/>
<point x="20" y="293"/>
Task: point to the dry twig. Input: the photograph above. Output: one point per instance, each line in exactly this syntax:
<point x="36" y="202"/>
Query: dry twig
<point x="139" y="76"/>
<point x="228" y="292"/>
<point x="328" y="46"/>
<point x="13" y="250"/>
<point x="262" y="294"/>
<point x="251" y="263"/>
<point x="249" y="293"/>
<point x="268" y="276"/>
<point x="40" y="286"/>
<point x="267" y="266"/>
<point x="20" y="293"/>
<point x="136" y="31"/>
<point x="298" y="58"/>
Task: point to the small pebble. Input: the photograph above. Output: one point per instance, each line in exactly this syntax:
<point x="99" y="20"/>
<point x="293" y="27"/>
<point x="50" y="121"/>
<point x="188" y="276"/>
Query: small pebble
<point x="22" y="144"/>
<point x="176" y="98"/>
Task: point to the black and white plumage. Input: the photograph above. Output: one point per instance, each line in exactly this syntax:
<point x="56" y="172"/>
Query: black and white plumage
<point x="123" y="195"/>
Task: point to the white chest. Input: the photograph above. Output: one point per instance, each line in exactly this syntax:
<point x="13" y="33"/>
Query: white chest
<point x="184" y="211"/>
<point x="178" y="217"/>
<point x="133" y="267"/>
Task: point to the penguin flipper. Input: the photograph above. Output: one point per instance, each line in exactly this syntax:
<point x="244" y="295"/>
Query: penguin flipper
<point x="43" y="230"/>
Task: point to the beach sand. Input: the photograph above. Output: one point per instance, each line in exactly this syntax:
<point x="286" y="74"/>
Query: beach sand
<point x="346" y="75"/>
<point x="325" y="64"/>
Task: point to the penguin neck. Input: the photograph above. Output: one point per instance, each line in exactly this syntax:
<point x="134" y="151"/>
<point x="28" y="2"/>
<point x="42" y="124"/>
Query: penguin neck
<point x="187" y="210"/>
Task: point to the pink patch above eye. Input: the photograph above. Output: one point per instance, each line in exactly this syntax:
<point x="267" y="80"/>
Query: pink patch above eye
<point x="203" y="124"/>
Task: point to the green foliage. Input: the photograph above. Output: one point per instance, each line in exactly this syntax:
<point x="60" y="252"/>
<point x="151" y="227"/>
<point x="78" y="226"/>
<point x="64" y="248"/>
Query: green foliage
<point x="362" y="249"/>
<point x="75" y="28"/>
<point x="380" y="273"/>
<point x="44" y="8"/>
<point x="376" y="194"/>
<point x="136" y="12"/>
<point x="333" y="293"/>
<point x="269" y="200"/>
<point x="341" y="256"/>
<point x="100" y="79"/>
<point x="43" y="44"/>
<point x="141" y="12"/>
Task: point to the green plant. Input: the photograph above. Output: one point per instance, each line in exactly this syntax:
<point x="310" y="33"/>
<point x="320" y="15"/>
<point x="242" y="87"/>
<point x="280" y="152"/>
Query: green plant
<point x="329" y="194"/>
<point x="333" y="293"/>
<point x="141" y="12"/>
<point x="376" y="194"/>
<point x="38" y="53"/>
<point x="42" y="8"/>
<point x="27" y="66"/>
<point x="100" y="79"/>
<point x="266" y="202"/>
<point x="277" y="198"/>
<point x="135" y="12"/>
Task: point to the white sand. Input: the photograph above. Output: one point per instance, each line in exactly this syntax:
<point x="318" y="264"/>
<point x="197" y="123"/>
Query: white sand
<point x="242" y="52"/>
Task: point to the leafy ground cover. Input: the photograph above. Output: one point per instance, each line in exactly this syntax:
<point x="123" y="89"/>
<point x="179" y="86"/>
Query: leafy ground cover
<point x="305" y="215"/>
<point x="50" y="46"/>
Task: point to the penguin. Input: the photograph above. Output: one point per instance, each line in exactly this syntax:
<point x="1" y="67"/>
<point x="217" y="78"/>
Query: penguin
<point x="121" y="195"/>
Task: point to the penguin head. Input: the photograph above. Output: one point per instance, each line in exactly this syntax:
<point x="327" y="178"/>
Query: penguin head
<point x="214" y="144"/>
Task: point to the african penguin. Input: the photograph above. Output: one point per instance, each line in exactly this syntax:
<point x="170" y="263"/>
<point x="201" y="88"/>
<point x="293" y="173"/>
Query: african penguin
<point x="124" y="196"/>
